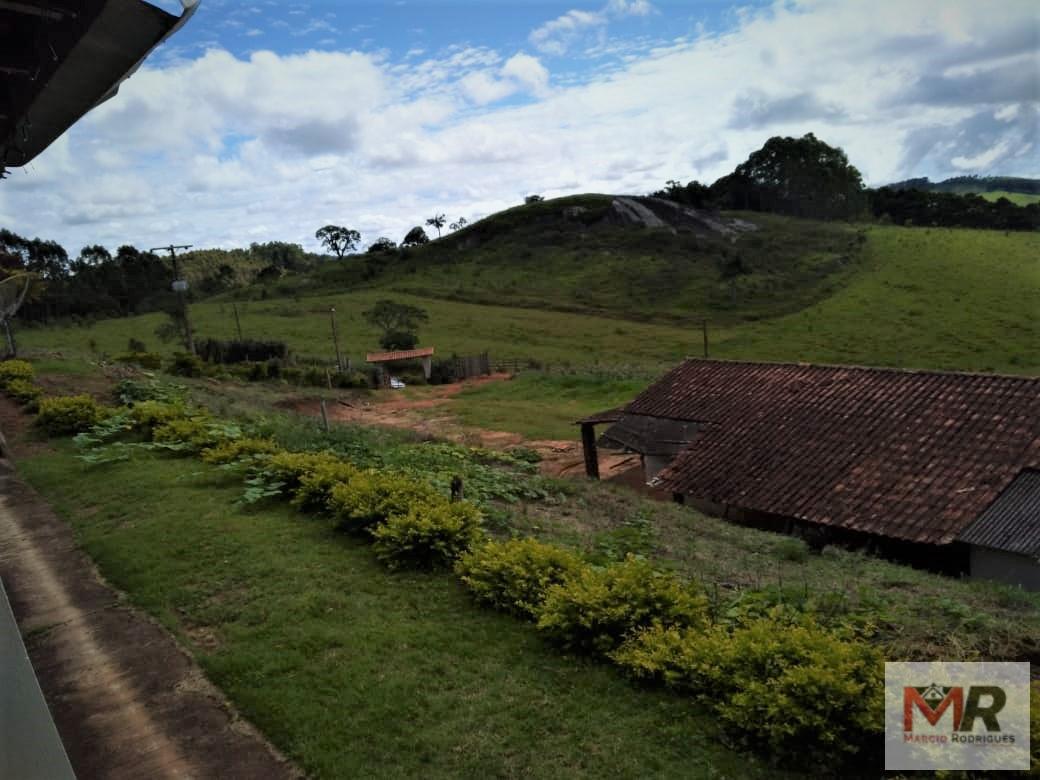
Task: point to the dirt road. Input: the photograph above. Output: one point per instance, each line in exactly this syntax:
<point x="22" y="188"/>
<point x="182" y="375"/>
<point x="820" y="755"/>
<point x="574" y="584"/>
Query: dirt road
<point x="431" y="415"/>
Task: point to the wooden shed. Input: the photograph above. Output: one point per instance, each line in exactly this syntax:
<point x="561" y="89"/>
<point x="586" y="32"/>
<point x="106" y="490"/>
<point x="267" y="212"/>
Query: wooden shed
<point x="384" y="360"/>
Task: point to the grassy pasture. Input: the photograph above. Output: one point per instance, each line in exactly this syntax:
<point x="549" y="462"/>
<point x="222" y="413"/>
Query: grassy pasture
<point x="1018" y="198"/>
<point x="918" y="298"/>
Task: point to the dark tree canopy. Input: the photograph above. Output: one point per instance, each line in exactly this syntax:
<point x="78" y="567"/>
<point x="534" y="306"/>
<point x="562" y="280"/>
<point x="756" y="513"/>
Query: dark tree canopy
<point x="338" y="240"/>
<point x="692" y="194"/>
<point x="382" y="244"/>
<point x="395" y="319"/>
<point x="803" y="177"/>
<point x="415" y="237"/>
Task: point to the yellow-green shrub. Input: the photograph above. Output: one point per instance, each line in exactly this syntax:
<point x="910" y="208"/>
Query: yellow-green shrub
<point x="595" y="608"/>
<point x="238" y="449"/>
<point x="801" y="693"/>
<point x="289" y="468"/>
<point x="316" y="485"/>
<point x="371" y="497"/>
<point x="514" y="576"/>
<point x="69" y="414"/>
<point x="193" y="434"/>
<point x="24" y="392"/>
<point x="430" y="535"/>
<point x="15" y="369"/>
<point x="149" y="415"/>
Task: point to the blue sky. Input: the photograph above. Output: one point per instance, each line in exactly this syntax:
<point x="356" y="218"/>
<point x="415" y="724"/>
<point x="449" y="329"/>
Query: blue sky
<point x="263" y="120"/>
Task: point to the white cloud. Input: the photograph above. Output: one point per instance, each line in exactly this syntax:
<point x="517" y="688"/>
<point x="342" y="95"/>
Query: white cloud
<point x="221" y="150"/>
<point x="556" y="36"/>
<point x="528" y="71"/>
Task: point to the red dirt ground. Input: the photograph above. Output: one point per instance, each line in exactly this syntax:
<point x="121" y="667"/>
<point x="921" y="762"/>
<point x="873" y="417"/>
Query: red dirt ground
<point x="559" y="457"/>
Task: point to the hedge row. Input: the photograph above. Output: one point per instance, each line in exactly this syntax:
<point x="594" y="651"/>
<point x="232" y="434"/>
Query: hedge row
<point x="781" y="684"/>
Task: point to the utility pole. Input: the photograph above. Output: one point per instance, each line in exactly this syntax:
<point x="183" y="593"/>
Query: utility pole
<point x="335" y="339"/>
<point x="704" y="327"/>
<point x="180" y="286"/>
<point x="238" y="322"/>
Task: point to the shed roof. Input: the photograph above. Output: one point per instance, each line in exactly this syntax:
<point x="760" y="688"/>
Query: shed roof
<point x="1012" y="522"/>
<point x="916" y="455"/>
<point x="402" y="354"/>
<point x="64" y="57"/>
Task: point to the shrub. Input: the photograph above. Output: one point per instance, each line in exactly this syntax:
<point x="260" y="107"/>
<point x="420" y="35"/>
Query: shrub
<point x="514" y="576"/>
<point x="234" y="450"/>
<point x="15" y="369"/>
<point x="372" y="496"/>
<point x="194" y="434"/>
<point x="24" y="392"/>
<point x="241" y="350"/>
<point x="288" y="469"/>
<point x="430" y="535"/>
<point x="794" y="550"/>
<point x="595" y="608"/>
<point x="66" y="415"/>
<point x="186" y="364"/>
<point x="316" y="485"/>
<point x="149" y="415"/>
<point x="151" y="360"/>
<point x="806" y="694"/>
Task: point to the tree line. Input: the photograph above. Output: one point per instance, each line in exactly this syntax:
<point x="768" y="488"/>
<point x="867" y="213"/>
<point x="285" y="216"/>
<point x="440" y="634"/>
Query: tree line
<point x="97" y="283"/>
<point x="805" y="177"/>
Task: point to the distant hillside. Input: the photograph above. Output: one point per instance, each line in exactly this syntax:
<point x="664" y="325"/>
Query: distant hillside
<point x="982" y="185"/>
<point x="636" y="258"/>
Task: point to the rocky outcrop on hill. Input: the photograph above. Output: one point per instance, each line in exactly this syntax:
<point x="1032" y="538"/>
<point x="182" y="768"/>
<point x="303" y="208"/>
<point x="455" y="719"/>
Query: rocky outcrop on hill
<point x="661" y="213"/>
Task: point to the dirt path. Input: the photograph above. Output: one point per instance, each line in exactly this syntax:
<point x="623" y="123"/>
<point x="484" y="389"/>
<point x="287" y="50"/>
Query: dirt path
<point x="559" y="457"/>
<point x="127" y="701"/>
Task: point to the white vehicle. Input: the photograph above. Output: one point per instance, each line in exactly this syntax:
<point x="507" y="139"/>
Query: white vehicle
<point x="396" y="384"/>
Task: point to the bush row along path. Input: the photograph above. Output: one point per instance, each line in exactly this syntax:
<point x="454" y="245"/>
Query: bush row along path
<point x="127" y="701"/>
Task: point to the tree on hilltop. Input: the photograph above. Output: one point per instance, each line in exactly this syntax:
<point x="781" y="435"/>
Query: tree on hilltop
<point x="803" y="177"/>
<point x="436" y="221"/>
<point x="338" y="240"/>
<point x="415" y="237"/>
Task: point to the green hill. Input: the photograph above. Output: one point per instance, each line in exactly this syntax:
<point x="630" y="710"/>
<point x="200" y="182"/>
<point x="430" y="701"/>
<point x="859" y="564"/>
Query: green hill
<point x="911" y="297"/>
<point x="576" y="254"/>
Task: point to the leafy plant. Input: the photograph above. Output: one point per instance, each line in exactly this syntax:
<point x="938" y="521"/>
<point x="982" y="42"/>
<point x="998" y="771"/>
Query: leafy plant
<point x="594" y="608"/>
<point x="67" y="415"/>
<point x="238" y="450"/>
<point x="430" y="535"/>
<point x="514" y="575"/>
<point x="130" y="391"/>
<point x="194" y="434"/>
<point x="634" y="537"/>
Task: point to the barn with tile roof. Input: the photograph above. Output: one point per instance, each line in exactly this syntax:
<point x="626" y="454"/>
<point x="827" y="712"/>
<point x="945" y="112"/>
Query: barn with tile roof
<point x="932" y="466"/>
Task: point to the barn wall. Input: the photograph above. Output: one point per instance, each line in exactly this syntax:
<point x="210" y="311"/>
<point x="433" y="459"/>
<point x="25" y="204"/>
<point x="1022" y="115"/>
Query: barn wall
<point x="1010" y="568"/>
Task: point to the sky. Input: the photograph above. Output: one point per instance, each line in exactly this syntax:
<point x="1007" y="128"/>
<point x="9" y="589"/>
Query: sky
<point x="266" y="119"/>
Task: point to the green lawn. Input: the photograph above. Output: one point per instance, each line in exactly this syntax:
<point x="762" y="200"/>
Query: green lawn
<point x="355" y="672"/>
<point x="544" y="406"/>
